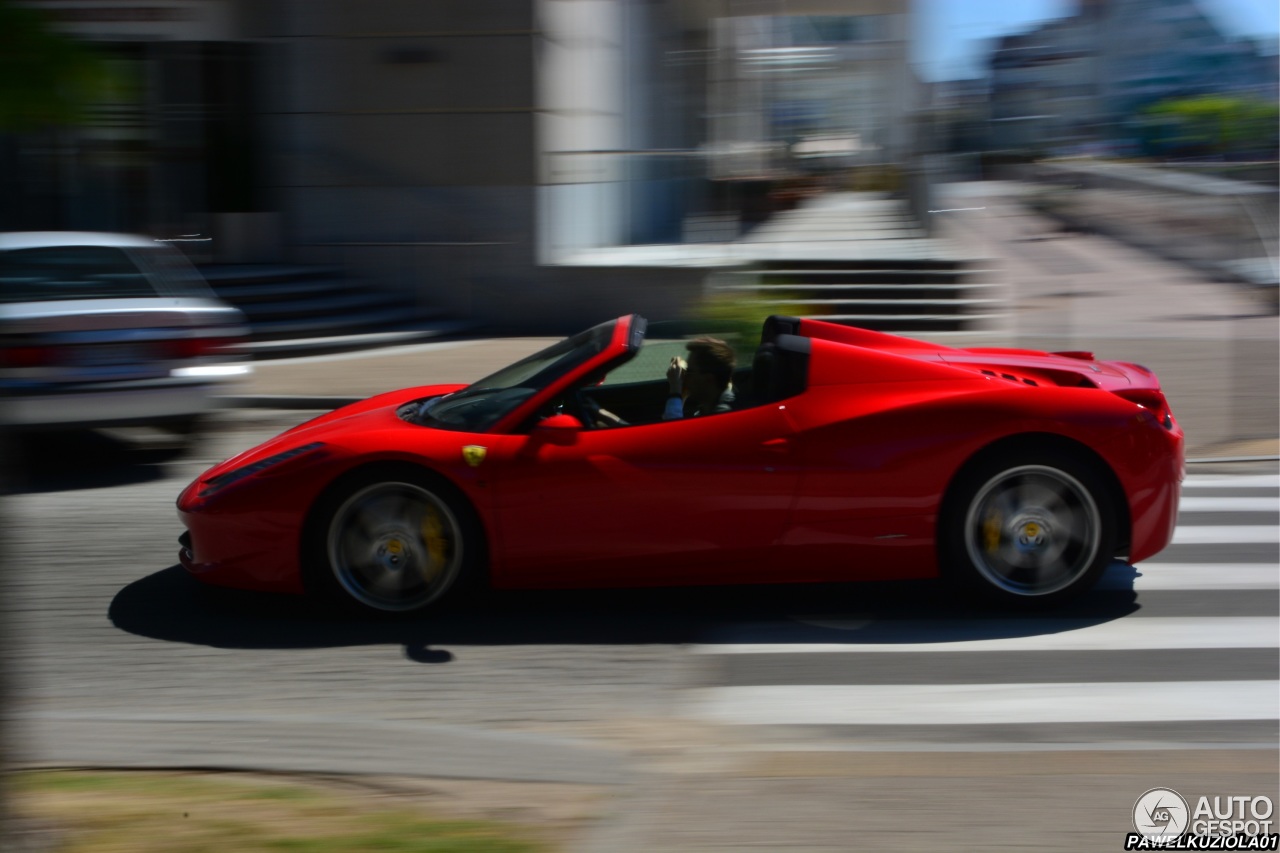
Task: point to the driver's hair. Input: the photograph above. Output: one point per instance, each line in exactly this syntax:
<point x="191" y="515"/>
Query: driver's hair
<point x="713" y="356"/>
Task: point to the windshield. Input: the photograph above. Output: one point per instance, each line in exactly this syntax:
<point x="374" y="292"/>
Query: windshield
<point x="478" y="407"/>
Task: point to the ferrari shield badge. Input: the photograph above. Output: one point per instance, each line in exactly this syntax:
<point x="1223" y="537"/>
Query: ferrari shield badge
<point x="473" y="454"/>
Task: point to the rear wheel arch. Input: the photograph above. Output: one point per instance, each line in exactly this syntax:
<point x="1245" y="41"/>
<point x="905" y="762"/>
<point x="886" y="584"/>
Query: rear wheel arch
<point x="1049" y="443"/>
<point x="1036" y="450"/>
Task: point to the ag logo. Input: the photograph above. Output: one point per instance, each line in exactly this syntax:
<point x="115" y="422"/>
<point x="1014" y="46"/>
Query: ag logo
<point x="1161" y="812"/>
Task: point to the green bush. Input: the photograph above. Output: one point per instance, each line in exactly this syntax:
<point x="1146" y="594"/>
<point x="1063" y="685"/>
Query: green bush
<point x="1211" y="125"/>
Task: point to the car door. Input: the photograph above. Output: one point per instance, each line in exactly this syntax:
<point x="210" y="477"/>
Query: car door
<point x="697" y="500"/>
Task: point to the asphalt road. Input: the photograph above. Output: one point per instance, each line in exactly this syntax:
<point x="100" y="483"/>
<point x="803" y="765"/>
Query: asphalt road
<point x="696" y="703"/>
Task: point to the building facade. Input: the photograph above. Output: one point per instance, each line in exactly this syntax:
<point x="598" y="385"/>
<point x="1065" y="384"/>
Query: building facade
<point x="1078" y="82"/>
<point x="462" y="151"/>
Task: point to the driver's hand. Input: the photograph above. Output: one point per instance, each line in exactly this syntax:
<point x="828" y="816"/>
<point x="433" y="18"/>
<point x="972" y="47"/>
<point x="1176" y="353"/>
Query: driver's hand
<point x="675" y="375"/>
<point x="605" y="419"/>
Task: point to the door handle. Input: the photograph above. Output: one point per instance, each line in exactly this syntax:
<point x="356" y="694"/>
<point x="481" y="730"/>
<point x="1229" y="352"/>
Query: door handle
<point x="777" y="445"/>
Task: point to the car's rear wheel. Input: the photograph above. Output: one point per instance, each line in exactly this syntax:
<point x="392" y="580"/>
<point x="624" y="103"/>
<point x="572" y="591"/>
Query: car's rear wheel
<point x="1032" y="531"/>
<point x="392" y="544"/>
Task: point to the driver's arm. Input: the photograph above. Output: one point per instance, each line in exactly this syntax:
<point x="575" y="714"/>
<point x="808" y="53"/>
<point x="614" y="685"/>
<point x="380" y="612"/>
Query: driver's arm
<point x="606" y="418"/>
<point x="674" y="409"/>
<point x="596" y="416"/>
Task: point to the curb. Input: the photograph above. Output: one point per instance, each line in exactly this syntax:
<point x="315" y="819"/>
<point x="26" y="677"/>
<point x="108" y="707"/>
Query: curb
<point x="291" y="743"/>
<point x="286" y="401"/>
<point x="266" y="350"/>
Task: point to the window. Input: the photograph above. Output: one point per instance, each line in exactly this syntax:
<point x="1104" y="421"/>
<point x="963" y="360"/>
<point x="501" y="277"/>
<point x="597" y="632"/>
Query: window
<point x="70" y="272"/>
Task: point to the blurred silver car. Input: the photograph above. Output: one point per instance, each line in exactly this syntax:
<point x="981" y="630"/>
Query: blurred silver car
<point x="109" y="330"/>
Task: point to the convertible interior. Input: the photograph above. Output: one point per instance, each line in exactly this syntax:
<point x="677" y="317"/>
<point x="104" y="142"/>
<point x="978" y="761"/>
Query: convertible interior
<point x="778" y="370"/>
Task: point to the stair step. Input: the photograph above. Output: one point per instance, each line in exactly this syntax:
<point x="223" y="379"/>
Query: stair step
<point x="398" y="336"/>
<point x="854" y="286"/>
<point x="340" y="305"/>
<point x="886" y="308"/>
<point x="885" y="214"/>
<point x="859" y="319"/>
<point x="862" y="259"/>
<point x="920" y="325"/>
<point x="317" y="326"/>
<point x="833" y="272"/>
<point x="838" y="287"/>
<point x="886" y="302"/>
<point x="862" y="265"/>
<point x="239" y="294"/>
<point x="828" y="236"/>
<point x="216" y="274"/>
<point x="884" y="296"/>
<point x="313" y="307"/>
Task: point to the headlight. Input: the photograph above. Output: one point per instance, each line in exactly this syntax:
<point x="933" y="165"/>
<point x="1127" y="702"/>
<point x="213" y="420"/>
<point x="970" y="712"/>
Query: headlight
<point x="220" y="482"/>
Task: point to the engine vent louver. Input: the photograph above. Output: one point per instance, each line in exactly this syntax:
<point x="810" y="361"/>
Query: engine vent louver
<point x="1010" y="377"/>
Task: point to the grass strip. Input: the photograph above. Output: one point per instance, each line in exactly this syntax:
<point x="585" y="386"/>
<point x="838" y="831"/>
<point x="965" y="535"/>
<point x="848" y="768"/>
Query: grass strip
<point x="159" y="812"/>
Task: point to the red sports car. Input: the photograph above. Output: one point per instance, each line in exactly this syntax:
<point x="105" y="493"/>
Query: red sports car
<point x="841" y="455"/>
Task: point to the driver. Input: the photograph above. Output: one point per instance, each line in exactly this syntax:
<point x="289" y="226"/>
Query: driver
<point x="705" y="386"/>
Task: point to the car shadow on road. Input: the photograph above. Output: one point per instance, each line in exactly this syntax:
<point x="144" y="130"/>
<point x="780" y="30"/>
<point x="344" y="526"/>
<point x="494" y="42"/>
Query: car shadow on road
<point x="170" y="605"/>
<point x="61" y="461"/>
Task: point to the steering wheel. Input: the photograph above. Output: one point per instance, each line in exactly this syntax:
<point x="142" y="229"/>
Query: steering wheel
<point x="592" y="414"/>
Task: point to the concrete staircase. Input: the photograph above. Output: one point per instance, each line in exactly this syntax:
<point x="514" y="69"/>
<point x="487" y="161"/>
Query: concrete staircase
<point x="859" y="259"/>
<point x="299" y="309"/>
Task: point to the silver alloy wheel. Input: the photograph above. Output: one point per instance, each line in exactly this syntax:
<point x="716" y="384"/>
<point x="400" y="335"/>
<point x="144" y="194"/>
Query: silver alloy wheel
<point x="394" y="546"/>
<point x="1032" y="530"/>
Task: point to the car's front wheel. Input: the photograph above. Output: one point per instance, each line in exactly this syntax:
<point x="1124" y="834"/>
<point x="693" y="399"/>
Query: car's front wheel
<point x="391" y="544"/>
<point x="1030" y="531"/>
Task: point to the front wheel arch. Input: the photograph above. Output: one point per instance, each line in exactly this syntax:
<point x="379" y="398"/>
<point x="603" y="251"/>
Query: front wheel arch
<point x="313" y="558"/>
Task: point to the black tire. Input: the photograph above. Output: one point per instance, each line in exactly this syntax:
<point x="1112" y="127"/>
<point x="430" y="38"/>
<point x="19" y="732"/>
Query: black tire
<point x="1029" y="530"/>
<point x="391" y="542"/>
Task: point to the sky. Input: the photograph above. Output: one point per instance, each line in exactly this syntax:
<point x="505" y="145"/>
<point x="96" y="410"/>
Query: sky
<point x="953" y="32"/>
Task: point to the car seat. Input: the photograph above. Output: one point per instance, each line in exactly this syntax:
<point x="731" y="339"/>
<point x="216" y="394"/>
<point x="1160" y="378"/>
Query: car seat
<point x="780" y="369"/>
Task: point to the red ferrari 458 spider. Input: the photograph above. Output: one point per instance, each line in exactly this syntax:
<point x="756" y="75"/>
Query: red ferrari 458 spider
<point x="845" y="455"/>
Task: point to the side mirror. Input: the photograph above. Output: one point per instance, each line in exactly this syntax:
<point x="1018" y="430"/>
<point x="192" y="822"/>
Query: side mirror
<point x="560" y="423"/>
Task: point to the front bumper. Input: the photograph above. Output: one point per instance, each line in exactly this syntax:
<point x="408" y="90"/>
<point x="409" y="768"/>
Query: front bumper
<point x="248" y="542"/>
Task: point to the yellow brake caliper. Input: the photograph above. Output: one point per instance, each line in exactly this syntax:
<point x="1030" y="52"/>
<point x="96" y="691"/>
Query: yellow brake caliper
<point x="991" y="533"/>
<point x="437" y="544"/>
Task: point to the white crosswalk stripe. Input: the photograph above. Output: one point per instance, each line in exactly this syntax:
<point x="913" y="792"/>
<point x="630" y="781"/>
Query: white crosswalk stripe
<point x="1157" y="632"/>
<point x="1194" y="504"/>
<point x="1226" y="481"/>
<point x="1202" y="638"/>
<point x="1167" y="576"/>
<point x="1226" y="534"/>
<point x="952" y="704"/>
